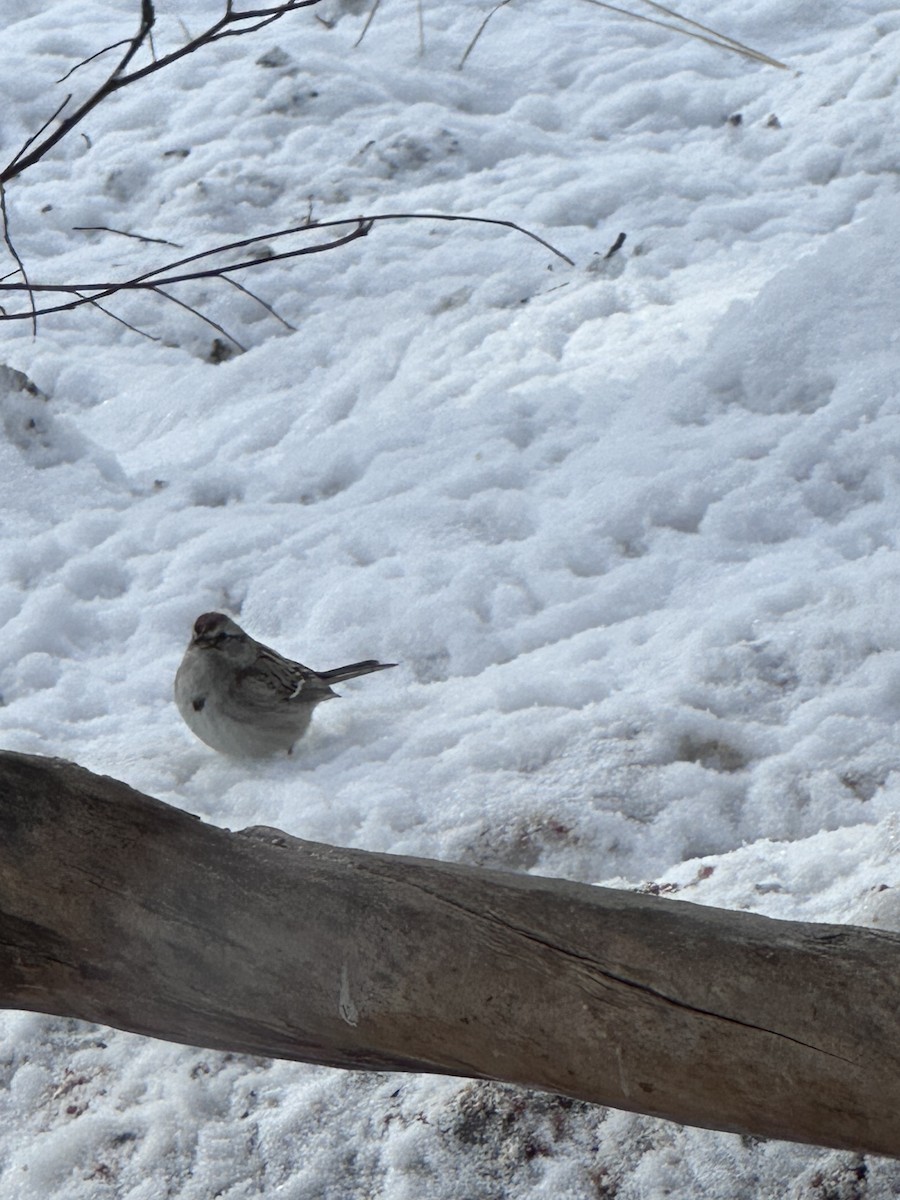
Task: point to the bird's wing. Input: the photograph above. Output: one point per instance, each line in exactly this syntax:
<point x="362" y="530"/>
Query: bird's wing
<point x="271" y="680"/>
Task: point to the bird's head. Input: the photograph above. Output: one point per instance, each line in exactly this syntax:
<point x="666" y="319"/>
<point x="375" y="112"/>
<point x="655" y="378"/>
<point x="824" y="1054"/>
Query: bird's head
<point x="214" y="631"/>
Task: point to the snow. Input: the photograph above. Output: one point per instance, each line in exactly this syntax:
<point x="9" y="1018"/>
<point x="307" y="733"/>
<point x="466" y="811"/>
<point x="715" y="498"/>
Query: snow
<point x="630" y="527"/>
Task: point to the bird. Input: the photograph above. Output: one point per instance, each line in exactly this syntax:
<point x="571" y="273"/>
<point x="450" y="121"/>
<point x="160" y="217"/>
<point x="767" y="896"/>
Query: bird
<point x="245" y="699"/>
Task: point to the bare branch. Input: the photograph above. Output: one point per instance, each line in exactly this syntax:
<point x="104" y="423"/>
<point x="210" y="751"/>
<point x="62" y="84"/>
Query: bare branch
<point x="250" y="19"/>
<point x="23" y="161"/>
<point x="171" y="273"/>
<point x="149" y="282"/>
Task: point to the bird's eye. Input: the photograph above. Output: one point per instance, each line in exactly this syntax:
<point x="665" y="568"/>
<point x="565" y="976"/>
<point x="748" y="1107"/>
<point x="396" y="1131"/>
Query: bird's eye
<point x="216" y="637"/>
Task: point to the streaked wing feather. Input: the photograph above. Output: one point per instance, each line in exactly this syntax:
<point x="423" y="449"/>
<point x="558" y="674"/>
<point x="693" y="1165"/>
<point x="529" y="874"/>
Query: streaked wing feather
<point x="272" y="680"/>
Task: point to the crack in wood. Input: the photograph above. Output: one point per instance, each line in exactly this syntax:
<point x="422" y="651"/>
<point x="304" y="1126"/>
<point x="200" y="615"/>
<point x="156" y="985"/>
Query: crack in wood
<point x="596" y="968"/>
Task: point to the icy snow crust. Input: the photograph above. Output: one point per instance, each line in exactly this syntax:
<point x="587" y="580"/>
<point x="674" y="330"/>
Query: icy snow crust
<point x="629" y="527"/>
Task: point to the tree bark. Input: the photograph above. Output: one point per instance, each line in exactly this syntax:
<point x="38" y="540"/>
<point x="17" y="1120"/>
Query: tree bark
<point x="117" y="908"/>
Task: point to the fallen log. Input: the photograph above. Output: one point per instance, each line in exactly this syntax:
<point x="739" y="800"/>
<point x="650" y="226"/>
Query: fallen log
<point x="119" y="909"/>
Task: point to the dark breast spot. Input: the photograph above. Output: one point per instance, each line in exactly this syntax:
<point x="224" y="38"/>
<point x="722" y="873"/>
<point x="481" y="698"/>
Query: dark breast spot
<point x="198" y="703"/>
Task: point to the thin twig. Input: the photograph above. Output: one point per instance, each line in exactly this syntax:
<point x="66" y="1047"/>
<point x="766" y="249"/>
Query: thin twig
<point x="149" y="281"/>
<point x="171" y="273"/>
<point x="121" y="320"/>
<point x="369" y="19"/>
<point x="22" y="161"/>
<point x="259" y="300"/>
<point x="253" y="28"/>
<point x="480" y="30"/>
<point x="474" y="220"/>
<point x="160" y="275"/>
<point x="140" y="237"/>
<point x="7" y="238"/>
<point x="84" y="62"/>
<point x="37" y="133"/>
<point x="363" y="225"/>
<point x="209" y="321"/>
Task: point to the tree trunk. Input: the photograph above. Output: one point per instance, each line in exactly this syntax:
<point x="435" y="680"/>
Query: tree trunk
<point x="117" y="908"/>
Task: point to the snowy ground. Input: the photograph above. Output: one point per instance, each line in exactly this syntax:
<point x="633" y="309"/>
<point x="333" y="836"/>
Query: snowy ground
<point x="630" y="527"/>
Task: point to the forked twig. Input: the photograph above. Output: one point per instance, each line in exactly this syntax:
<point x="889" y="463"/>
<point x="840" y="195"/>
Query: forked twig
<point x="37" y="133"/>
<point x="173" y="272"/>
<point x="231" y="24"/>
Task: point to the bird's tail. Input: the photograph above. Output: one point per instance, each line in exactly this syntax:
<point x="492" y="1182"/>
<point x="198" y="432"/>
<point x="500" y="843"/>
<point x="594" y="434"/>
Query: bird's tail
<point x="352" y="670"/>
